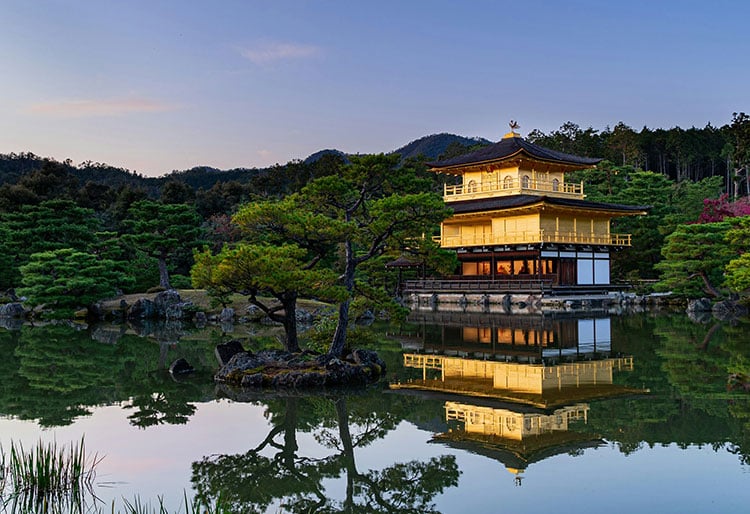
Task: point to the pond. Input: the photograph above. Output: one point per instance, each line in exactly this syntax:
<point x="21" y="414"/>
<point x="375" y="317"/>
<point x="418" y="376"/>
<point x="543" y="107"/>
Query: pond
<point x="480" y="413"/>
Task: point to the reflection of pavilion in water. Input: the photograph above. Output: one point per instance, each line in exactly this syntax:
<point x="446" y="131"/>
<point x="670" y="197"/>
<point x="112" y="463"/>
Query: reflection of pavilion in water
<point x="514" y="437"/>
<point x="516" y="383"/>
<point x="523" y="338"/>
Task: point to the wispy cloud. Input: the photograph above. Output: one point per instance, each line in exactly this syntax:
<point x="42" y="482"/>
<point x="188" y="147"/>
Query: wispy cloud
<point x="83" y="108"/>
<point x="271" y="52"/>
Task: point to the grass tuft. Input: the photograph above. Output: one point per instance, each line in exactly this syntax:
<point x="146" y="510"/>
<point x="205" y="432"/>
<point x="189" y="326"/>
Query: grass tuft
<point x="47" y="477"/>
<point x="52" y="479"/>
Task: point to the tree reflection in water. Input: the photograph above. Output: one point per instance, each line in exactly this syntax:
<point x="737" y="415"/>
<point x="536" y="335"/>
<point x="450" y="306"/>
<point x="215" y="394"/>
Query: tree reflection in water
<point x="54" y="374"/>
<point x="254" y="481"/>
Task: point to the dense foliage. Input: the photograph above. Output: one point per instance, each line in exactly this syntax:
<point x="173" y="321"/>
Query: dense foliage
<point x="148" y="227"/>
<point x="66" y="279"/>
<point x="327" y="230"/>
<point x="678" y="154"/>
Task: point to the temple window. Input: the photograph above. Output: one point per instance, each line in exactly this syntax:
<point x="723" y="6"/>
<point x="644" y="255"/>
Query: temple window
<point x="525" y="181"/>
<point x="555" y="184"/>
<point x="507" y="182"/>
<point x="503" y="267"/>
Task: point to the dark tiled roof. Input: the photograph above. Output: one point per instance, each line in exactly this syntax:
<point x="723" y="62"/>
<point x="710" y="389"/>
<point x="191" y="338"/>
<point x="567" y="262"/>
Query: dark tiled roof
<point x="402" y="262"/>
<point x="509" y="202"/>
<point x="510" y="146"/>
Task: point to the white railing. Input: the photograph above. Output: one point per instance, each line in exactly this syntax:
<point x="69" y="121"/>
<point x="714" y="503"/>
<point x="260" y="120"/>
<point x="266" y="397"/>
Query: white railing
<point x="530" y="237"/>
<point x="472" y="189"/>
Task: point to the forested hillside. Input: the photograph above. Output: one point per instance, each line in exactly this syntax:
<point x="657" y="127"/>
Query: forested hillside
<point x="677" y="153"/>
<point x="145" y="228"/>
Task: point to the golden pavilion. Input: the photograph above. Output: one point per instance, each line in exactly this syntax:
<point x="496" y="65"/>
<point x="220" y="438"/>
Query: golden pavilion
<point x="517" y="221"/>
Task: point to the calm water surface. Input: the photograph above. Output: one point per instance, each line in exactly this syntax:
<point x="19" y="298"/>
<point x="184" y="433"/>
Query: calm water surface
<point x="481" y="413"/>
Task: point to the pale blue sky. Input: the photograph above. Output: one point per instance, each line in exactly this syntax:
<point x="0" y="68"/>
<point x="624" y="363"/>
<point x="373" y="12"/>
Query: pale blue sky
<point x="155" y="86"/>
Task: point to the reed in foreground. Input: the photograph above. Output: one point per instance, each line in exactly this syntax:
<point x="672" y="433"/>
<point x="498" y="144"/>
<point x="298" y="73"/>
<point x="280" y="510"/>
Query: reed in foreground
<point x="191" y="507"/>
<point x="46" y="478"/>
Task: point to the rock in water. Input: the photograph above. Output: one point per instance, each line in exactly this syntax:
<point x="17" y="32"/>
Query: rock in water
<point x="143" y="308"/>
<point x="12" y="310"/>
<point x="227" y="314"/>
<point x="180" y="367"/>
<point x="225" y="351"/>
<point x="700" y="305"/>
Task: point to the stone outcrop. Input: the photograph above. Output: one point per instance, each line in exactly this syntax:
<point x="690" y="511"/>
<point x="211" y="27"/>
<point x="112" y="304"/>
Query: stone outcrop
<point x="143" y="308"/>
<point x="227" y="315"/>
<point x="699" y="305"/>
<point x="728" y="310"/>
<point x="276" y="368"/>
<point x="166" y="305"/>
<point x="254" y="313"/>
<point x="200" y="318"/>
<point x="303" y="317"/>
<point x="180" y="367"/>
<point x="225" y="351"/>
<point x="12" y="310"/>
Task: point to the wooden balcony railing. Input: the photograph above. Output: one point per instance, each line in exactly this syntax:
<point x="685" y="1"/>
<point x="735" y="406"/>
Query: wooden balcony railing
<point x="531" y="237"/>
<point x="472" y="190"/>
<point x="481" y="284"/>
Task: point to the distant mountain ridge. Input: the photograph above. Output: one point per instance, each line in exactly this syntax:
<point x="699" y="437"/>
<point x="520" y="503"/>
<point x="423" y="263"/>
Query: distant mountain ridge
<point x="13" y="166"/>
<point x="315" y="157"/>
<point x="435" y="145"/>
<point x="430" y="147"/>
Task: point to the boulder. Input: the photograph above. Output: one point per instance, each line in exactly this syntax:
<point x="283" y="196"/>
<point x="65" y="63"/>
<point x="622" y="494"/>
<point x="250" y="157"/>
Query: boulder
<point x="237" y="365"/>
<point x="12" y="310"/>
<point x="299" y="378"/>
<point x="225" y="351"/>
<point x="227" y="315"/>
<point x="281" y="369"/>
<point x="200" y="318"/>
<point x="174" y="312"/>
<point x="728" y="310"/>
<point x="169" y="305"/>
<point x="143" y="308"/>
<point x="303" y="317"/>
<point x="254" y="313"/>
<point x="368" y="358"/>
<point x="699" y="305"/>
<point x="180" y="367"/>
<point x="166" y="299"/>
<point x="252" y="380"/>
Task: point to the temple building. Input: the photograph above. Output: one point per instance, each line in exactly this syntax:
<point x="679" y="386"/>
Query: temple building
<point x="517" y="221"/>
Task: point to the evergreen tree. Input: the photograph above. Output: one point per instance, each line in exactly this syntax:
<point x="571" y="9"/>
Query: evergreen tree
<point x="66" y="279"/>
<point x="51" y="225"/>
<point x="738" y="269"/>
<point x="694" y="259"/>
<point x="164" y="232"/>
<point x="257" y="270"/>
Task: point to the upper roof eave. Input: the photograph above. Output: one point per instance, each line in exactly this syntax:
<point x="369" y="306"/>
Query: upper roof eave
<point x="509" y="148"/>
